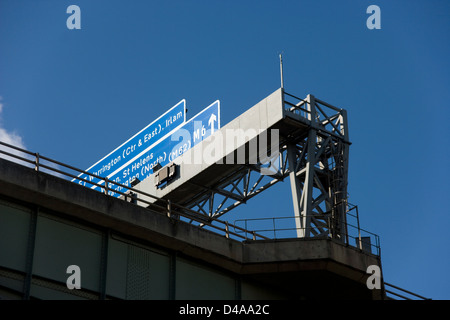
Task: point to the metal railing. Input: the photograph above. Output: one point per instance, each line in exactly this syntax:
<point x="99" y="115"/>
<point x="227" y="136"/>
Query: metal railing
<point x="285" y="227"/>
<point x="296" y="105"/>
<point x="401" y="293"/>
<point x="173" y="210"/>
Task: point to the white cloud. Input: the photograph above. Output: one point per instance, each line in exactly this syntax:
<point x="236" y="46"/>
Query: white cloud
<point x="10" y="138"/>
<point x="16" y="140"/>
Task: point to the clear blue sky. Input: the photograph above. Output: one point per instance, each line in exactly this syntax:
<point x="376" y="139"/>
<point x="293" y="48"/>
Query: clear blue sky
<point x="75" y="95"/>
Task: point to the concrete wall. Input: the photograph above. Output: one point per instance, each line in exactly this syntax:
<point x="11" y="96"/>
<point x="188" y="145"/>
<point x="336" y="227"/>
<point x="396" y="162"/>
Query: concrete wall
<point x="133" y="270"/>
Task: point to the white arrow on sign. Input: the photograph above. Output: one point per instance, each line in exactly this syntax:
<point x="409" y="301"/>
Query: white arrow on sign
<point x="211" y="122"/>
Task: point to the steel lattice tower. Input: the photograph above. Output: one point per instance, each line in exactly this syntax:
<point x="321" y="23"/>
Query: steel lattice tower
<point x="318" y="164"/>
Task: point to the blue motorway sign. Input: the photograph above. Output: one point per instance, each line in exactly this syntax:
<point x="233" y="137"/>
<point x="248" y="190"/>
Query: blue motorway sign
<point x="162" y="127"/>
<point x="167" y="149"/>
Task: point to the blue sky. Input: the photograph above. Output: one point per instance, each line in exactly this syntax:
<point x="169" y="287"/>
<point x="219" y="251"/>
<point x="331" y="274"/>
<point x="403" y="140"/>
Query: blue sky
<point x="75" y="95"/>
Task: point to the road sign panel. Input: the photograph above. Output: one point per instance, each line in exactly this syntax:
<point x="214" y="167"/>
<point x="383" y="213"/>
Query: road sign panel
<point x="157" y="130"/>
<point x="167" y="149"/>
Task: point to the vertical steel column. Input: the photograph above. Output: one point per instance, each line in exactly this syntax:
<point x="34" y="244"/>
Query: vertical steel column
<point x="172" y="276"/>
<point x="302" y="197"/>
<point x="296" y="190"/>
<point x="238" y="288"/>
<point x="30" y="254"/>
<point x="104" y="263"/>
<point x="307" y="195"/>
<point x="345" y="155"/>
<point x="339" y="180"/>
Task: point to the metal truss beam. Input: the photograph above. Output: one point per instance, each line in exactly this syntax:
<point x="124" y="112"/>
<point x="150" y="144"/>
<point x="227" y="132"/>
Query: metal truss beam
<point x="238" y="188"/>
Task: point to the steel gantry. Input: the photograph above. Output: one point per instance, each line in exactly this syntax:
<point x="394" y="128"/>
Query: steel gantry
<point x="312" y="149"/>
